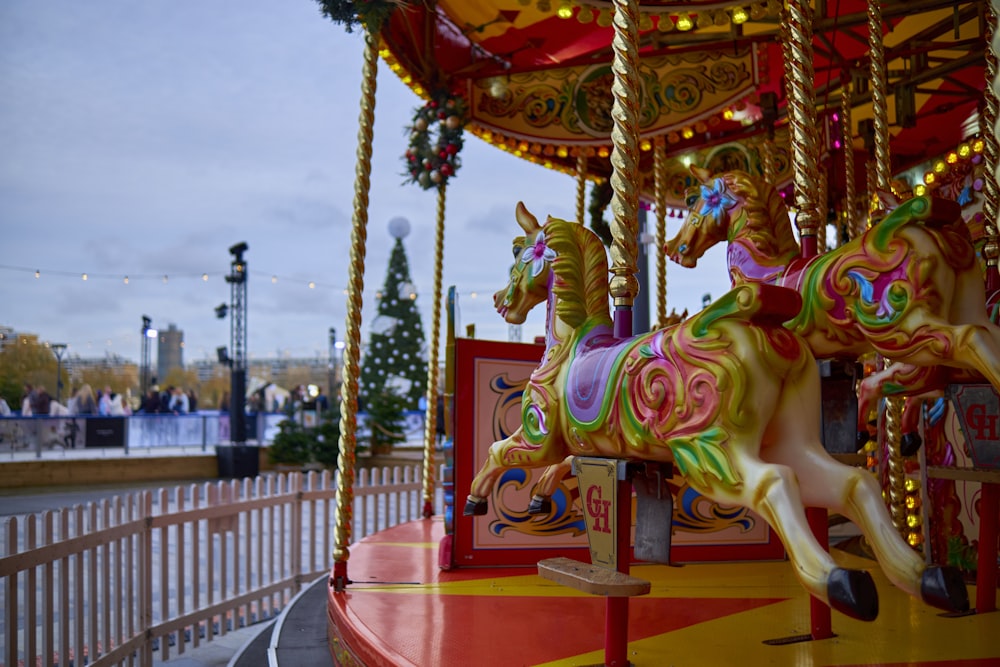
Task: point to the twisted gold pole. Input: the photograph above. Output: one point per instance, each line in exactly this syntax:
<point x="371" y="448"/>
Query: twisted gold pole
<point x="430" y="423"/>
<point x="581" y="186"/>
<point x="355" y="288"/>
<point x="625" y="154"/>
<point x="660" y="189"/>
<point x="821" y="199"/>
<point x="881" y="182"/>
<point x="767" y="158"/>
<point x="802" y="120"/>
<point x="880" y="104"/>
<point x="991" y="198"/>
<point x="896" y="469"/>
<point x="846" y="131"/>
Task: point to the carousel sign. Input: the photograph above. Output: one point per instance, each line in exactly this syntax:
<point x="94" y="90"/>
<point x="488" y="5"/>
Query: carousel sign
<point x="978" y="409"/>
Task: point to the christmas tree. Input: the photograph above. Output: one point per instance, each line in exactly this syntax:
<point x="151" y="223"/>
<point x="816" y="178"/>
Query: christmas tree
<point x="394" y="372"/>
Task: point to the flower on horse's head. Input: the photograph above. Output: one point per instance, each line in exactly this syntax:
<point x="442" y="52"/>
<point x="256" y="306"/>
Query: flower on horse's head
<point x="715" y="198"/>
<point x="538" y="253"/>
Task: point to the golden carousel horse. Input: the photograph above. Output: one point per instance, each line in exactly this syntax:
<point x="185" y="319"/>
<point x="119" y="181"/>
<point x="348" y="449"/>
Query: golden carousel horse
<point x="729" y="396"/>
<point x="909" y="288"/>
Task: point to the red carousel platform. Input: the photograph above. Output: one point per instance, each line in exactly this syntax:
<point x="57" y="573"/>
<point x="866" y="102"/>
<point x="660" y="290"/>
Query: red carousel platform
<point x="401" y="609"/>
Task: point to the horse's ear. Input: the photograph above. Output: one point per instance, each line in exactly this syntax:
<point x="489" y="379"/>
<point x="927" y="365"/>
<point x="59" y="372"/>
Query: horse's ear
<point x="528" y="222"/>
<point x="702" y="174"/>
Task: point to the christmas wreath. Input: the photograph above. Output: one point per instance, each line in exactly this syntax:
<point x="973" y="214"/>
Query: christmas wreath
<point x="371" y="14"/>
<point x="432" y="160"/>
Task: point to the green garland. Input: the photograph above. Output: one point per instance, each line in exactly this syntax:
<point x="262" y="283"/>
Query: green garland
<point x="370" y="14"/>
<point x="432" y="161"/>
<point x="600" y="197"/>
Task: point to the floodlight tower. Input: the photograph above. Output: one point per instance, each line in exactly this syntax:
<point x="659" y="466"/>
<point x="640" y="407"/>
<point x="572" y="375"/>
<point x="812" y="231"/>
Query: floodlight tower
<point x="237" y="280"/>
<point x="148" y="332"/>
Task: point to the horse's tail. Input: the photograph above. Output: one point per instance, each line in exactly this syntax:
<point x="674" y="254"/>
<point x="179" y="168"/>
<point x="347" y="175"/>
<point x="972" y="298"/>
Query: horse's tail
<point x="758" y="303"/>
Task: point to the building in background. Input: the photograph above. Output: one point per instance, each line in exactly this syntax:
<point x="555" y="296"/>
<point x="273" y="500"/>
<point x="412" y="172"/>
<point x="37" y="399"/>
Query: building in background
<point x="169" y="351"/>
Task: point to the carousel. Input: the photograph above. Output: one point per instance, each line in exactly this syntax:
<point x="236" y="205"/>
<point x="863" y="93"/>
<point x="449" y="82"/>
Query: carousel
<point x="807" y="471"/>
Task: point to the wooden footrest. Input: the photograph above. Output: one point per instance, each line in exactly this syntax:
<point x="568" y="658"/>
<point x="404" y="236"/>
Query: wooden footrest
<point x="592" y="579"/>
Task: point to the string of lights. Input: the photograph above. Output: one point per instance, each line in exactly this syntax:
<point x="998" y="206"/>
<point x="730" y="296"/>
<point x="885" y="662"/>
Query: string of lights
<point x="166" y="278"/>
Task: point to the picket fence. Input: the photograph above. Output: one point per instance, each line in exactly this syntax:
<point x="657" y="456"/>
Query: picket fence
<point x="163" y="571"/>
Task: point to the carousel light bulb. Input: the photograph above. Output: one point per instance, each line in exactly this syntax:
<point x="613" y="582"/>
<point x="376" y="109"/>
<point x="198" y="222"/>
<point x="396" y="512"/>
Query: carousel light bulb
<point x="312" y="285"/>
<point x="952" y="157"/>
<point x="939" y="167"/>
<point x="913" y="521"/>
<point x="604" y="18"/>
<point x="565" y="10"/>
<point x="684" y="23"/>
<point x="84" y="276"/>
<point x="603" y="152"/>
<point x="728" y="113"/>
<point x="645" y="145"/>
<point x="740" y="16"/>
<point x="687" y="132"/>
<point x="964" y="151"/>
<point x="929" y="178"/>
<point x="920" y="189"/>
<point x="585" y="15"/>
<point x="664" y="23"/>
<point x="977" y="146"/>
<point x="645" y="22"/>
<point x="914" y="539"/>
<point x="912" y="502"/>
<point x="911" y="486"/>
<point x="562" y="151"/>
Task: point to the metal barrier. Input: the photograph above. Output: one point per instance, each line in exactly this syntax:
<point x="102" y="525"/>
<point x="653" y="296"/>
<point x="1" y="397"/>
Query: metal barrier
<point x="38" y="435"/>
<point x="111" y="582"/>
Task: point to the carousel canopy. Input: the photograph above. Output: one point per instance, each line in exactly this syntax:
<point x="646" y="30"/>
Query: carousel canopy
<point x="535" y="76"/>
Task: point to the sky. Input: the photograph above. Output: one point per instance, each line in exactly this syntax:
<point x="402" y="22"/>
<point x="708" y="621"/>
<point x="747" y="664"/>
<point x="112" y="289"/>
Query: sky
<point x="144" y="139"/>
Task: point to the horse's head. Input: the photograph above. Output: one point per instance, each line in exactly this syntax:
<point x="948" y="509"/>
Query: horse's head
<point x="709" y="207"/>
<point x="529" y="275"/>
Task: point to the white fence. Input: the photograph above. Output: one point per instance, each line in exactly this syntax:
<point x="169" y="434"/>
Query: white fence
<point x="111" y="582"/>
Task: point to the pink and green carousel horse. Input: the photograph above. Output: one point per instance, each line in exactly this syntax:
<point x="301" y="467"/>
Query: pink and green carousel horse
<point x="909" y="288"/>
<point x="729" y="396"/>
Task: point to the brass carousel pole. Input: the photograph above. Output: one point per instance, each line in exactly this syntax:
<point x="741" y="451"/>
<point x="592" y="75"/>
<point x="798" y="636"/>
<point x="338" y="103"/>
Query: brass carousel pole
<point x="355" y="287"/>
<point x="624" y="286"/>
<point x="802" y="121"/>
<point x="660" y="176"/>
<point x="882" y="183"/>
<point x="846" y="131"/>
<point x="581" y="186"/>
<point x="991" y="198"/>
<point x="430" y="423"/>
<point x="799" y="75"/>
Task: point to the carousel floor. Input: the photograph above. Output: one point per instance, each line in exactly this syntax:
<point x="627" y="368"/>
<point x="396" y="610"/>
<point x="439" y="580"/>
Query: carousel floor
<point x="400" y="609"/>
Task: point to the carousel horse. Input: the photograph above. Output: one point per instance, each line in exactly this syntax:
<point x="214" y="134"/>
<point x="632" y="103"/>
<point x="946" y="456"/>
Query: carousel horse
<point x="909" y="288"/>
<point x="729" y="396"/>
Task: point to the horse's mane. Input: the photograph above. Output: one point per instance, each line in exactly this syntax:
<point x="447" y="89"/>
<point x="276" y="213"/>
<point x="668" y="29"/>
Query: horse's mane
<point x="768" y="226"/>
<point x="581" y="272"/>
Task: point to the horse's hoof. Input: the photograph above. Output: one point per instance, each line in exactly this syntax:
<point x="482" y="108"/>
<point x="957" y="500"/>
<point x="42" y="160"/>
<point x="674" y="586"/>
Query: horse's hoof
<point x="853" y="593"/>
<point x="910" y="443"/>
<point x="860" y="440"/>
<point x="944" y="588"/>
<point x="540" y="505"/>
<point x="475" y="506"/>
